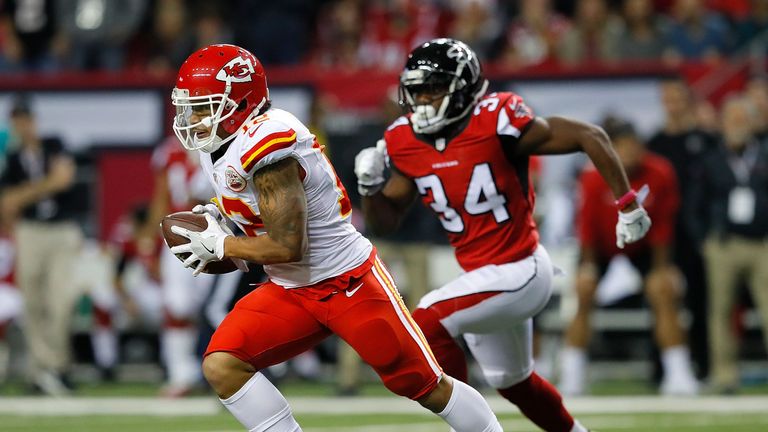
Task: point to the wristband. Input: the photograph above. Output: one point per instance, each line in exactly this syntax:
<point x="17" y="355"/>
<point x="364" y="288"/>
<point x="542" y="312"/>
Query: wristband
<point x="626" y="200"/>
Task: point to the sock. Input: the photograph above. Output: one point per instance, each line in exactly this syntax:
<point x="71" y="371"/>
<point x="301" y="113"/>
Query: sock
<point x="467" y="411"/>
<point x="448" y="353"/>
<point x="260" y="407"/>
<point x="573" y="370"/>
<point x="541" y="403"/>
<point x="578" y="427"/>
<point x="676" y="361"/>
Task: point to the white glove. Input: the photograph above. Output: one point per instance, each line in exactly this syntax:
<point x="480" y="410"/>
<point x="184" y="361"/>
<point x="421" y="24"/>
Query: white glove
<point x="213" y="210"/>
<point x="370" y="164"/>
<point x="203" y="247"/>
<point x="632" y="226"/>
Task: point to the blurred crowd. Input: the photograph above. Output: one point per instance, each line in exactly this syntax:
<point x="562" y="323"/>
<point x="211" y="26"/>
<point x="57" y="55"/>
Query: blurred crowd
<point x="155" y="35"/>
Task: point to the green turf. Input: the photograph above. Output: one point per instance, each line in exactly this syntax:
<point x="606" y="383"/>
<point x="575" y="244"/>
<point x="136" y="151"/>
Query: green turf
<point x="398" y="423"/>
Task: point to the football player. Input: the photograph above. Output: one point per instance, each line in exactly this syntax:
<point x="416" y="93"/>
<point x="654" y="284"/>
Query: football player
<point x="466" y="153"/>
<point x="272" y="179"/>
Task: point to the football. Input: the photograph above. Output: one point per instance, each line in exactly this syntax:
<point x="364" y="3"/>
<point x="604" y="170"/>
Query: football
<point x="197" y="223"/>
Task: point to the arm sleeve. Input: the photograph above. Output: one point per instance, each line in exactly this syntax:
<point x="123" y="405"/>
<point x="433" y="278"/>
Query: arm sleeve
<point x="514" y="117"/>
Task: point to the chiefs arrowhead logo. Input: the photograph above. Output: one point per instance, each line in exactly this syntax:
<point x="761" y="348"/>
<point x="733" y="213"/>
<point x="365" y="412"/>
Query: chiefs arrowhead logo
<point x="235" y="181"/>
<point x="239" y="69"/>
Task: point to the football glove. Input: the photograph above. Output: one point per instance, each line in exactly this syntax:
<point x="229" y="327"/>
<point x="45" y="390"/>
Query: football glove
<point x="204" y="246"/>
<point x="213" y="210"/>
<point x="632" y="226"/>
<point x="370" y="165"/>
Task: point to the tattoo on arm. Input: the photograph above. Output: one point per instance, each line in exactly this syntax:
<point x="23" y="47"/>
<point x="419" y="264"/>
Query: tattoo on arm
<point x="283" y="204"/>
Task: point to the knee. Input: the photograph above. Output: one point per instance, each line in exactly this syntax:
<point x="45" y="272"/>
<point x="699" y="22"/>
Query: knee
<point x="438" y="397"/>
<point x="226" y="373"/>
<point x="662" y="289"/>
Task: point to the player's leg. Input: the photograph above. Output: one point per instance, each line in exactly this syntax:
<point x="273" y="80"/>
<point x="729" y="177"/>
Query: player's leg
<point x="506" y="359"/>
<point x="182" y="297"/>
<point x="573" y="357"/>
<point x="723" y="271"/>
<point x="522" y="290"/>
<point x="663" y="288"/>
<point x="376" y="323"/>
<point x="266" y="327"/>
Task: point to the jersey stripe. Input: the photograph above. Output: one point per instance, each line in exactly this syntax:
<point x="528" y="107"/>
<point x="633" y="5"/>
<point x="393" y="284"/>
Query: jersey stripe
<point x="383" y="276"/>
<point x="267" y="145"/>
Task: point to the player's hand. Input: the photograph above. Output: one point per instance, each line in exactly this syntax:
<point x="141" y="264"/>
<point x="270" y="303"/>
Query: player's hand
<point x="370" y="165"/>
<point x="203" y="247"/>
<point x="632" y="226"/>
<point x="210" y="208"/>
<point x="213" y="210"/>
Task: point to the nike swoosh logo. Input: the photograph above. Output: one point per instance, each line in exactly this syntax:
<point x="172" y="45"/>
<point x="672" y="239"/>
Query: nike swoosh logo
<point x="253" y="132"/>
<point x="206" y="248"/>
<point x="352" y="292"/>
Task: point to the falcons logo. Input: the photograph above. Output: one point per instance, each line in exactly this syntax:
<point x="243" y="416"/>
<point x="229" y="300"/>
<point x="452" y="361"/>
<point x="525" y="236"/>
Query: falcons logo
<point x="239" y="69"/>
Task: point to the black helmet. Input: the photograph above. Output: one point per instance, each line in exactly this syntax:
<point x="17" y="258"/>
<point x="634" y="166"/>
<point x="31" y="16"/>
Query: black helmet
<point x="445" y="65"/>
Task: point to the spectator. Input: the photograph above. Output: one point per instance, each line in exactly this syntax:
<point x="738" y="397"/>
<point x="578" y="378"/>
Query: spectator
<point x="650" y="257"/>
<point x="594" y="35"/>
<point x="37" y="185"/>
<point x="29" y="36"/>
<point x="642" y="34"/>
<point x="394" y="28"/>
<point x="734" y="227"/>
<point x="696" y="33"/>
<point x="683" y="142"/>
<point x="532" y="37"/>
<point x="339" y="31"/>
<point x="97" y="31"/>
<point x="757" y="92"/>
<point x="753" y="24"/>
<point x="258" y="25"/>
<point x="476" y="23"/>
<point x="171" y="37"/>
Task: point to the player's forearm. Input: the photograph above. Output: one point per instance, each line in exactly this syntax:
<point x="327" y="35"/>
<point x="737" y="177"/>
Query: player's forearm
<point x="596" y="144"/>
<point x="382" y="216"/>
<point x="263" y="249"/>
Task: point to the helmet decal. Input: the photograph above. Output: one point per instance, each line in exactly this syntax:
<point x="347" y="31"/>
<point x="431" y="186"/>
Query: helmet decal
<point x="239" y="69"/>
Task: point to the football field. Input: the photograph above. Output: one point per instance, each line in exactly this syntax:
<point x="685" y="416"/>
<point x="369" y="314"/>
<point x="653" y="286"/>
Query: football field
<point x="374" y="414"/>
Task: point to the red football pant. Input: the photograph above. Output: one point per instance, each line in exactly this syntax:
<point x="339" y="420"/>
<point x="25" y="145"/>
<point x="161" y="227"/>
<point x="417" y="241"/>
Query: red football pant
<point x="273" y="324"/>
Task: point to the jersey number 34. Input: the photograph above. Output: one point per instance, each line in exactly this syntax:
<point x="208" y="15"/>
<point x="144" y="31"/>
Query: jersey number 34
<point x="482" y="197"/>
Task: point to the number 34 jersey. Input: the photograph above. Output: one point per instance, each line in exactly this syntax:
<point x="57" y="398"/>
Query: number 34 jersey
<point x="334" y="245"/>
<point x="480" y="192"/>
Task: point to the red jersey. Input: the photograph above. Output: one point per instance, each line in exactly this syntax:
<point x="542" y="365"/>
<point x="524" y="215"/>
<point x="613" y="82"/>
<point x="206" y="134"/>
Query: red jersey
<point x="181" y="169"/>
<point x="480" y="192"/>
<point x="597" y="215"/>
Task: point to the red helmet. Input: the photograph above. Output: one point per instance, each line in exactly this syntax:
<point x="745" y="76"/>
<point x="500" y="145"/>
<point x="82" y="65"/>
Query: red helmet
<point x="226" y="81"/>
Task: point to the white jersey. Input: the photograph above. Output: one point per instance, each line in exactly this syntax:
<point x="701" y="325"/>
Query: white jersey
<point x="335" y="246"/>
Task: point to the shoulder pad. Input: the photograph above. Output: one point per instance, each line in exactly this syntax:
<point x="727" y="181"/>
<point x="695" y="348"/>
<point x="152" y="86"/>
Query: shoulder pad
<point x="264" y="143"/>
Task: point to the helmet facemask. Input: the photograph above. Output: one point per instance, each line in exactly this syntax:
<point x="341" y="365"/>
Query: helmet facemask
<point x="218" y="108"/>
<point x="458" y="98"/>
